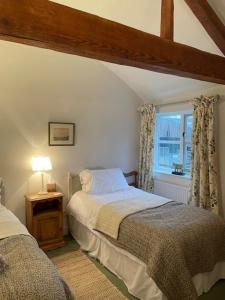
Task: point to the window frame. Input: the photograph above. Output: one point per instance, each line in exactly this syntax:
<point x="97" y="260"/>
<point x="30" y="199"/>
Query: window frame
<point x="185" y="141"/>
<point x="182" y="142"/>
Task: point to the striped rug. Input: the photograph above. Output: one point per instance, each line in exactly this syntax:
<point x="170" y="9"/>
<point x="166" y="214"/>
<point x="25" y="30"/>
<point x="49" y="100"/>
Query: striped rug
<point x="84" y="279"/>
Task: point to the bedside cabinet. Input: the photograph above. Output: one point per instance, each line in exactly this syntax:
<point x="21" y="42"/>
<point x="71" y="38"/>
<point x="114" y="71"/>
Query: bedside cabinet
<point x="44" y="219"/>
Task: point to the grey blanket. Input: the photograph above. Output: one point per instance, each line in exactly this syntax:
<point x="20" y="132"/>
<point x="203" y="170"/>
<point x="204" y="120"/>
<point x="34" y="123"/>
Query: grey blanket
<point x="176" y="242"/>
<point x="29" y="274"/>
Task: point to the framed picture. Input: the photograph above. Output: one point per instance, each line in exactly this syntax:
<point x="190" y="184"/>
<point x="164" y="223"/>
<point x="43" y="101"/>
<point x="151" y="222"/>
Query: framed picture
<point x="61" y="134"/>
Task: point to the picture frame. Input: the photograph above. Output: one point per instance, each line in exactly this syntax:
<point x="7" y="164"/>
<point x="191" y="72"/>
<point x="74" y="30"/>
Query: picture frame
<point x="61" y="134"/>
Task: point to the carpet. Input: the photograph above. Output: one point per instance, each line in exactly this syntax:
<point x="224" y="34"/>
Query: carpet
<point x="217" y="292"/>
<point x="84" y="278"/>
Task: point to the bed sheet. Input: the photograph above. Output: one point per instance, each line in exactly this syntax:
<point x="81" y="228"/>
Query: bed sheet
<point x="85" y="207"/>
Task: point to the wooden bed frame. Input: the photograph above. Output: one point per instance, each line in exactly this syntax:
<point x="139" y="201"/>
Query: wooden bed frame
<point x="132" y="174"/>
<point x="74" y="184"/>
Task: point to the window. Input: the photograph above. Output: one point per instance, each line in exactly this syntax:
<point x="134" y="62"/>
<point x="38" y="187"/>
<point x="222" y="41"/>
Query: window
<point x="173" y="141"/>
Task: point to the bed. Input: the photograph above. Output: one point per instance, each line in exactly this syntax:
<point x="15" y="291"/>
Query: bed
<point x="25" y="270"/>
<point x="84" y="210"/>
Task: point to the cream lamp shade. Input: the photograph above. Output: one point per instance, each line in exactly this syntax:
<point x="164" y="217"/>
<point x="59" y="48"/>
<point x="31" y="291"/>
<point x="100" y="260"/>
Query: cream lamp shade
<point x="41" y="164"/>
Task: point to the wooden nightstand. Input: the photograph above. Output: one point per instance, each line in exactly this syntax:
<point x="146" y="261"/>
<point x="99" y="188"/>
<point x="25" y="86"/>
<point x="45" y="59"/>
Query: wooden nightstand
<point x="44" y="219"/>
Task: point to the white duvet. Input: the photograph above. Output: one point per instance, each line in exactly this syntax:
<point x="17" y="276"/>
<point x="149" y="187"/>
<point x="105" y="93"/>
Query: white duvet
<point x="85" y="207"/>
<point x="10" y="224"/>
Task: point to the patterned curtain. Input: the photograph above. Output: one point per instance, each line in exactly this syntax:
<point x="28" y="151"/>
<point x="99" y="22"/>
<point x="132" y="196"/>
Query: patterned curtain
<point x="204" y="183"/>
<point x="145" y="180"/>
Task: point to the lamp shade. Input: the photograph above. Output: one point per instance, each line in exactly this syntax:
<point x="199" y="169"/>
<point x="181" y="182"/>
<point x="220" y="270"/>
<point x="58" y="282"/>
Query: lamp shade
<point x="41" y="163"/>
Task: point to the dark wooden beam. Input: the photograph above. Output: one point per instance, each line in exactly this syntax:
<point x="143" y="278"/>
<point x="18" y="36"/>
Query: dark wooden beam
<point x="46" y="24"/>
<point x="167" y="19"/>
<point x="210" y="21"/>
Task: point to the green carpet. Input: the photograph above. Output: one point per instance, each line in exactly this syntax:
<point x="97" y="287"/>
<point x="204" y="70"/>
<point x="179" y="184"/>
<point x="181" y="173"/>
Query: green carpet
<point x="216" y="293"/>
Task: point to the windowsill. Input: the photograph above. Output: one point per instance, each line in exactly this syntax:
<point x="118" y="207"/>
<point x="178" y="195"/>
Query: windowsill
<point x="167" y="173"/>
<point x="180" y="180"/>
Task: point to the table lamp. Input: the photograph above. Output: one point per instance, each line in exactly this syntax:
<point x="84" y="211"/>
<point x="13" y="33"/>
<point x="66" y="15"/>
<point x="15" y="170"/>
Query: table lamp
<point x="41" y="164"/>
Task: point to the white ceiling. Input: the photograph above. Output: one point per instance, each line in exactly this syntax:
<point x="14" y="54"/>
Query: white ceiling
<point x="145" y="15"/>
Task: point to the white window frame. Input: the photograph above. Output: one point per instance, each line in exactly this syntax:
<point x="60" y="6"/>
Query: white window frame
<point x="185" y="141"/>
<point x="182" y="142"/>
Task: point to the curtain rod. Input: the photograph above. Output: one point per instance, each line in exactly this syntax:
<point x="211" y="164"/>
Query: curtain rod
<point x="172" y="103"/>
<point x="184" y="101"/>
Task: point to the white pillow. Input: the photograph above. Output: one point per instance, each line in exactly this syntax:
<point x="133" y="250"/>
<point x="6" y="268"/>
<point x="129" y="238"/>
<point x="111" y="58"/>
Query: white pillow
<point x="103" y="181"/>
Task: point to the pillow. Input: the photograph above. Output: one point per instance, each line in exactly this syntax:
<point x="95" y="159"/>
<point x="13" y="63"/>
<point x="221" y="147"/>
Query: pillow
<point x="103" y="181"/>
<point x="85" y="179"/>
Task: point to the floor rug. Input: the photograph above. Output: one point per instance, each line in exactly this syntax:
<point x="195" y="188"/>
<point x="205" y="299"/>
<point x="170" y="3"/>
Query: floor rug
<point x="84" y="278"/>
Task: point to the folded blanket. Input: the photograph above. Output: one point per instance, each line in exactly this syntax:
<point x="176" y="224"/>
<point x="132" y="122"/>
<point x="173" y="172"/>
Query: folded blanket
<point x="112" y="214"/>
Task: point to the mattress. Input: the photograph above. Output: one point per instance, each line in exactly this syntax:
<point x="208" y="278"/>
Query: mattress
<point x="83" y="209"/>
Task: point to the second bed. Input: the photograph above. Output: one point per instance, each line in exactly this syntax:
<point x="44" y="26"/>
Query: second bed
<point x="84" y="209"/>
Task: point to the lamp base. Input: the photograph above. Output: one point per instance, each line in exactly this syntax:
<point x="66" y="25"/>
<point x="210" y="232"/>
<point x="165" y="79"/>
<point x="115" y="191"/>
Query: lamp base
<point x="42" y="193"/>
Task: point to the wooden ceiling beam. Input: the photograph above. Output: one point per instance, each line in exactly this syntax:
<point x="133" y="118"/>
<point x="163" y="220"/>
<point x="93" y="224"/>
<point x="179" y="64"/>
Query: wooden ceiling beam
<point x="167" y="19"/>
<point x="210" y="21"/>
<point x="49" y="25"/>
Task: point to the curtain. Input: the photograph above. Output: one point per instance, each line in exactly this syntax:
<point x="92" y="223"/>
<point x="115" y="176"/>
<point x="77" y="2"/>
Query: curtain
<point x="204" y="178"/>
<point x="145" y="178"/>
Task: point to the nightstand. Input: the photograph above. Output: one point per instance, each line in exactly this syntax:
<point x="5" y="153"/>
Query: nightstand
<point x="44" y="219"/>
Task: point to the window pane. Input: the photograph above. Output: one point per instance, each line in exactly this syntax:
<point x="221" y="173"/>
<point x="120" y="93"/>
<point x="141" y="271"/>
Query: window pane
<point x="169" y="128"/>
<point x="168" y="154"/>
<point x="187" y="157"/>
<point x="188" y="127"/>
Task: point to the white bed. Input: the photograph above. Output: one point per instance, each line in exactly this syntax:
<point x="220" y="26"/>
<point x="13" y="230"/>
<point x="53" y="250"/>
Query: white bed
<point x="83" y="209"/>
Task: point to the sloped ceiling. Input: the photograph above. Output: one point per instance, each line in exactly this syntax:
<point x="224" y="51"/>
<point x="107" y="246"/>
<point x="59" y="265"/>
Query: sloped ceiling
<point x="145" y="15"/>
<point x="219" y="7"/>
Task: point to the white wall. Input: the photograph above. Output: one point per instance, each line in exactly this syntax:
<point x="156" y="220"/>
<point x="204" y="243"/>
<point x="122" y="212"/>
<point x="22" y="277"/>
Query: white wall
<point x="37" y="86"/>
